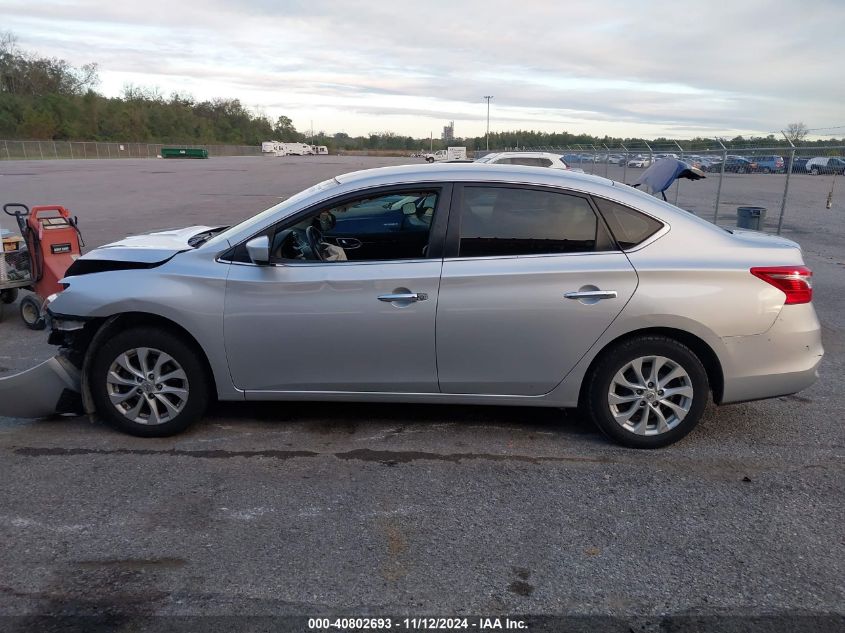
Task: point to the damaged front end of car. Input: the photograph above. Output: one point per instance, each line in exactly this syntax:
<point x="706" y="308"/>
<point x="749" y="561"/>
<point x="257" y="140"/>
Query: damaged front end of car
<point x="56" y="386"/>
<point x="59" y="385"/>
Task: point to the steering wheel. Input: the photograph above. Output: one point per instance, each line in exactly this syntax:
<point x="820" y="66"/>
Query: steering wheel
<point x="315" y="239"/>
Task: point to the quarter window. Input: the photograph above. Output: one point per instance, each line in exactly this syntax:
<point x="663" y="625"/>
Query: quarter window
<point x="629" y="227"/>
<point x="503" y="221"/>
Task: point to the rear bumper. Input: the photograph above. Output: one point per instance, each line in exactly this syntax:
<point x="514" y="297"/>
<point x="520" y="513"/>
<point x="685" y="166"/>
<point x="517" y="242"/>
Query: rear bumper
<point x="47" y="389"/>
<point x="781" y="361"/>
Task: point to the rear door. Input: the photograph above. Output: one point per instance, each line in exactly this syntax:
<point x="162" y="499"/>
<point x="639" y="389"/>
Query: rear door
<point x="530" y="281"/>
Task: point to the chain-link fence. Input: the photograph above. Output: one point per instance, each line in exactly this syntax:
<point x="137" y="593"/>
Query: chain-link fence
<point x="782" y="180"/>
<point x="43" y="150"/>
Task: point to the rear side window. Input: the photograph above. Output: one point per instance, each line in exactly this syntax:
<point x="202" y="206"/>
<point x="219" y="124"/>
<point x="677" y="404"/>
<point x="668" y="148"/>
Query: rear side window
<point x="629" y="227"/>
<point x="501" y="221"/>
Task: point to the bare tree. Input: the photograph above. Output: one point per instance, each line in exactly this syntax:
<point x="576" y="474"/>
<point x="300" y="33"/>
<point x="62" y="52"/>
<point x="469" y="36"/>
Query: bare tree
<point x="796" y="132"/>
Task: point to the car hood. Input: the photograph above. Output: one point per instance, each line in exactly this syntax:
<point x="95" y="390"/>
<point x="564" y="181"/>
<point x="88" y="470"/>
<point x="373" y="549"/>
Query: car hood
<point x="147" y="248"/>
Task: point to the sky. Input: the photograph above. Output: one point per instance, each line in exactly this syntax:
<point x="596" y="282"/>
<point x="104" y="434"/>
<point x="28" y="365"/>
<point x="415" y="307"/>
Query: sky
<point x="604" y="67"/>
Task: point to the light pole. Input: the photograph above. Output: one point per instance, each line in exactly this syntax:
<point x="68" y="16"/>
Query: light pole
<point x="488" y="97"/>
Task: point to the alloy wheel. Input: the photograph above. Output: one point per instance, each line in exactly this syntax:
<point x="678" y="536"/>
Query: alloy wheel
<point x="147" y="386"/>
<point x="650" y="395"/>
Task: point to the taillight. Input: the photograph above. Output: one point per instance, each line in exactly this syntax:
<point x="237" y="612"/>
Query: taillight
<point x="796" y="282"/>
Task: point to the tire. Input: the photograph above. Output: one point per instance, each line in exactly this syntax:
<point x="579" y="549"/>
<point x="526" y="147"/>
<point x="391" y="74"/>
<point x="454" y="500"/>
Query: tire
<point x="30" y="308"/>
<point x="9" y="296"/>
<point x="766" y="170"/>
<point x="814" y="171"/>
<point x="429" y="160"/>
<point x="740" y="170"/>
<point x="128" y="400"/>
<point x="632" y="429"/>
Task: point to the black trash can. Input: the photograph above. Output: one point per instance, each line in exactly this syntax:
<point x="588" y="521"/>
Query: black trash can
<point x="750" y="217"/>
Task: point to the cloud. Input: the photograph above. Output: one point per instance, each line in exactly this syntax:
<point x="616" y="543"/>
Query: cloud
<point x="582" y="66"/>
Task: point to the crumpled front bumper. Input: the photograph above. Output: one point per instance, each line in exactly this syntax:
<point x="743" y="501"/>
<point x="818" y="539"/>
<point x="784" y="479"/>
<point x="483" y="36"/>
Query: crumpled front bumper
<point x="47" y="389"/>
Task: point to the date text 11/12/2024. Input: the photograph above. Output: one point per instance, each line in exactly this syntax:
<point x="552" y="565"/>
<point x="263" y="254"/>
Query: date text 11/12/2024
<point x="416" y="624"/>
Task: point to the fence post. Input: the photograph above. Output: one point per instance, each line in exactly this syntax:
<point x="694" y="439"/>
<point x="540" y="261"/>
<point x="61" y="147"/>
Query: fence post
<point x="606" y="158"/>
<point x="678" y="180"/>
<point x="70" y="146"/>
<point x="786" y="186"/>
<point x="625" y="165"/>
<point x="55" y="151"/>
<point x="721" y="177"/>
<point x="6" y="145"/>
<point x="97" y="147"/>
<point x="23" y="147"/>
<point x="40" y="151"/>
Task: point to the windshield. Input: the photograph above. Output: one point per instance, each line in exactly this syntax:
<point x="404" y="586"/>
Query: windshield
<point x="257" y="220"/>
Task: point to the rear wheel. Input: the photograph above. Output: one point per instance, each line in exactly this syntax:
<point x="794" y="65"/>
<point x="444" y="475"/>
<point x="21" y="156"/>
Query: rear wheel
<point x="648" y="392"/>
<point x="766" y="170"/>
<point x="814" y="171"/>
<point x="148" y="382"/>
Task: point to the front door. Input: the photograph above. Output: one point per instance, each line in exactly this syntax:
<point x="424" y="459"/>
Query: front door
<point x="533" y="282"/>
<point x="357" y="316"/>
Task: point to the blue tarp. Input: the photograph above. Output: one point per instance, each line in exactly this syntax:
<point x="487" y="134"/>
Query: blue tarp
<point x="660" y="176"/>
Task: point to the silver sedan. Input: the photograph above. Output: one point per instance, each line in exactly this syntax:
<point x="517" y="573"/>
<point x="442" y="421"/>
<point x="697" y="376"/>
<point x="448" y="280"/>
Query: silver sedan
<point x="452" y="283"/>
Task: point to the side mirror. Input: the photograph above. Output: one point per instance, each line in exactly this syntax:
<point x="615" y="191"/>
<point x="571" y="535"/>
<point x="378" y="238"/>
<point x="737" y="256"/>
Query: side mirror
<point x="258" y="249"/>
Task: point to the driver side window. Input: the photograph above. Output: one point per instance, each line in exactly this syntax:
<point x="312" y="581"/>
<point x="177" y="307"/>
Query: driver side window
<point x="389" y="226"/>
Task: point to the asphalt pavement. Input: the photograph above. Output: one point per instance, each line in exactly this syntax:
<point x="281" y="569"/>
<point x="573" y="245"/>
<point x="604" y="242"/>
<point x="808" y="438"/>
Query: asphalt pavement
<point x="310" y="509"/>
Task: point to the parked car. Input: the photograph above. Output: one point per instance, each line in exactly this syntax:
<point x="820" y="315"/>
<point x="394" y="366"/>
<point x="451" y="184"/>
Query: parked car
<point x="798" y="166"/>
<point x="616" y="159"/>
<point x="825" y="165"/>
<point x="770" y="164"/>
<point x="530" y="159"/>
<point x="640" y="162"/>
<point x="497" y="285"/>
<point x="735" y="164"/>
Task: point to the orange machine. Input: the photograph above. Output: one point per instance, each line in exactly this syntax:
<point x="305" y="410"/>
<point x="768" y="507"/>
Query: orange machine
<point x="53" y="242"/>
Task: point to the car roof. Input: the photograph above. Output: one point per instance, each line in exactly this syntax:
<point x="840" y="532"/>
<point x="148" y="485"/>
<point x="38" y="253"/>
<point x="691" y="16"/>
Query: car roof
<point x="438" y="172"/>
<point x="512" y="154"/>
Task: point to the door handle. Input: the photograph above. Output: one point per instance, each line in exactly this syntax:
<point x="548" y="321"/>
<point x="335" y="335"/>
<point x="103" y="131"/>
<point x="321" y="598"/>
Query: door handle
<point x="348" y="242"/>
<point x="591" y="294"/>
<point x="403" y="296"/>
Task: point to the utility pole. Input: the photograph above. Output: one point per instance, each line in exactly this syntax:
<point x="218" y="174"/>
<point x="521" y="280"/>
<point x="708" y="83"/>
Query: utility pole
<point x="488" y="97"/>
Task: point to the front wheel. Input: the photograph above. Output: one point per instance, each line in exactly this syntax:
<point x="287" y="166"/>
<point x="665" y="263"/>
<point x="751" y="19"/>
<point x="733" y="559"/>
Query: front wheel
<point x="648" y="392"/>
<point x="30" y="308"/>
<point x="148" y="382"/>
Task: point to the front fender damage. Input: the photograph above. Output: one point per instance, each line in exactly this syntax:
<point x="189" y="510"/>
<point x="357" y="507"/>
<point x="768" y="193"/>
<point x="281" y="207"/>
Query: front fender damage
<point x="47" y="389"/>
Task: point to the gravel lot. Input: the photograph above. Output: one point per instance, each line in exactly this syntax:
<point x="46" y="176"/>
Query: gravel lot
<point x="311" y="509"/>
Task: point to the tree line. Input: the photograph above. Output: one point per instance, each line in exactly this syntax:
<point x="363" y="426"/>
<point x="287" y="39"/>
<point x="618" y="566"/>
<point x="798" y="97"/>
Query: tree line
<point x="44" y="98"/>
